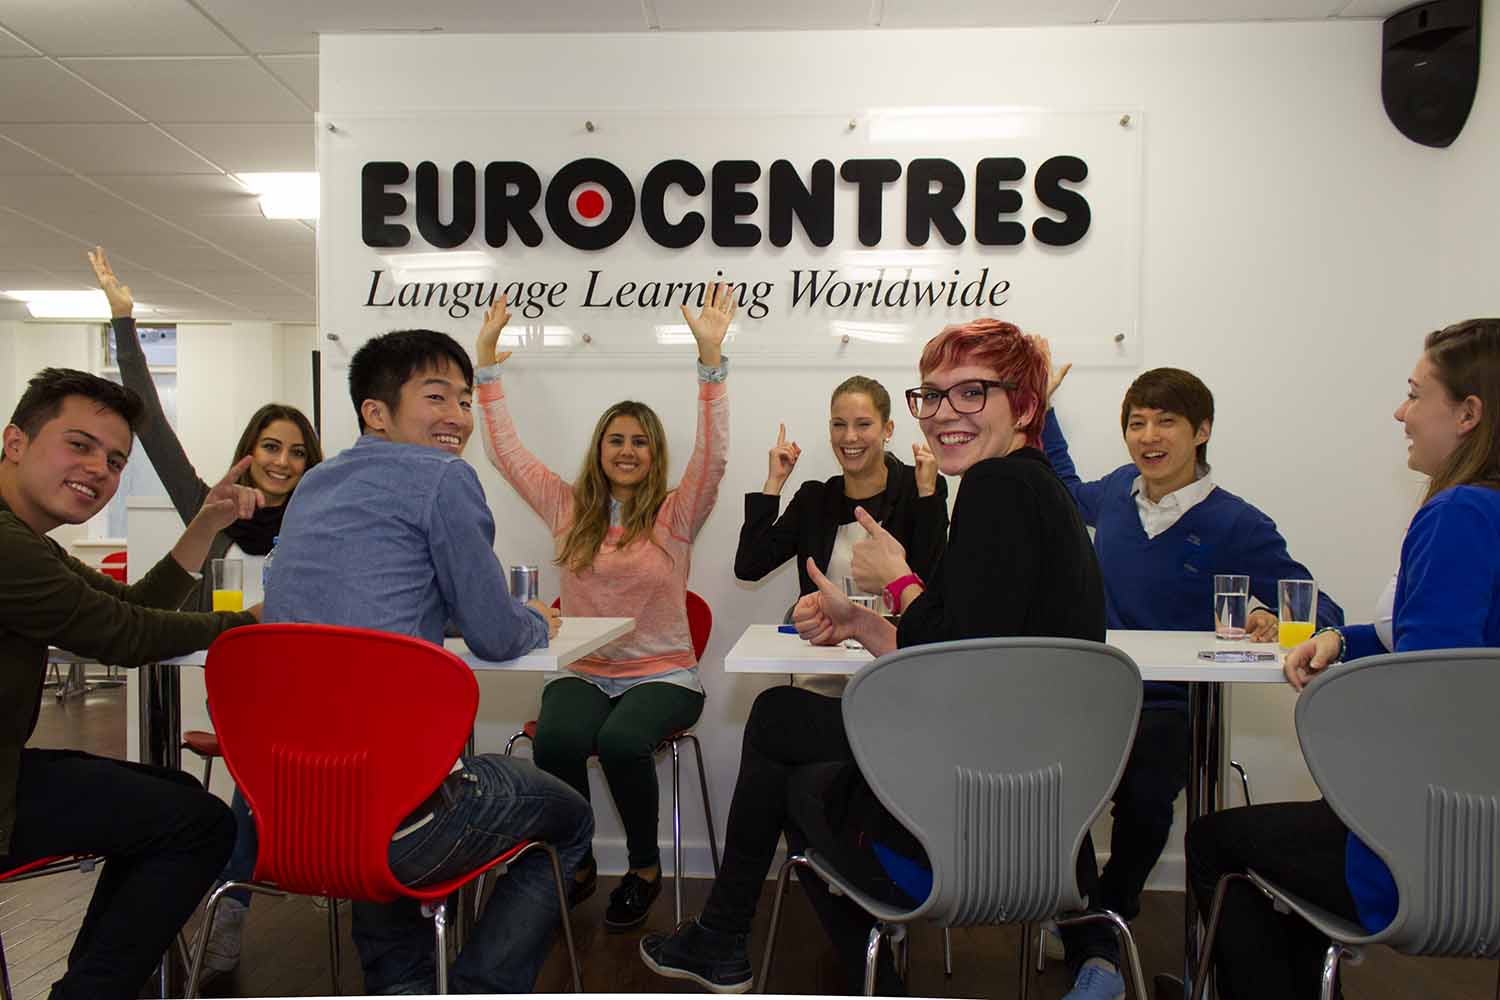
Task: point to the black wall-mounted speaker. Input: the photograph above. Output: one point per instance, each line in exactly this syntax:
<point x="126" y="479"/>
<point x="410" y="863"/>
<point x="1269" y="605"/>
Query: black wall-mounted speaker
<point x="1431" y="69"/>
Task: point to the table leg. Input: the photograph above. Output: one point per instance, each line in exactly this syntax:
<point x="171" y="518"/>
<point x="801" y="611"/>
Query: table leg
<point x="1205" y="794"/>
<point x="160" y="719"/>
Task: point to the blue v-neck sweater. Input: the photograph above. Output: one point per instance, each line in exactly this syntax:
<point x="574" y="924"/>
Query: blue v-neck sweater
<point x="1167" y="582"/>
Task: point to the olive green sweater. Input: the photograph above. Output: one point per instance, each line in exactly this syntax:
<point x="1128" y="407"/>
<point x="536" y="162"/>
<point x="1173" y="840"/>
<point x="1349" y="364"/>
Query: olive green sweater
<point x="48" y="598"/>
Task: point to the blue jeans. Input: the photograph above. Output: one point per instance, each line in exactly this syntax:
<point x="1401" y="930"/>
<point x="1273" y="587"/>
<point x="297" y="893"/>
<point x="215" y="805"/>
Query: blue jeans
<point x="241" y="864"/>
<point x="479" y="812"/>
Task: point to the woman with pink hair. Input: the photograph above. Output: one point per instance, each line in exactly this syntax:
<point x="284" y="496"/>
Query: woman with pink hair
<point x="1018" y="563"/>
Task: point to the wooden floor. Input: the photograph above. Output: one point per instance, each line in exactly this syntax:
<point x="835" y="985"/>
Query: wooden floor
<point x="286" y="949"/>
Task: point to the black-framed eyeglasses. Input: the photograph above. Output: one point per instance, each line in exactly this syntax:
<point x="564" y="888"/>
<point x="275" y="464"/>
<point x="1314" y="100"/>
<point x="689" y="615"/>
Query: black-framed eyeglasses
<point x="968" y="396"/>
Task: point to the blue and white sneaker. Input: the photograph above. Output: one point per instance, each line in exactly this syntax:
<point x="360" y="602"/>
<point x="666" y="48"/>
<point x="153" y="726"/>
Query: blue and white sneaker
<point x="1097" y="980"/>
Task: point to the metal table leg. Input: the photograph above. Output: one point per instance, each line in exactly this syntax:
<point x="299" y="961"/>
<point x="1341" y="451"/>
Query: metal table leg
<point x="160" y="719"/>
<point x="1205" y="794"/>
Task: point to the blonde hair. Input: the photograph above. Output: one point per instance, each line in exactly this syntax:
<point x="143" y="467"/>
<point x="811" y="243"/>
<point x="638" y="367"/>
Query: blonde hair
<point x="591" y="493"/>
<point x="1467" y="359"/>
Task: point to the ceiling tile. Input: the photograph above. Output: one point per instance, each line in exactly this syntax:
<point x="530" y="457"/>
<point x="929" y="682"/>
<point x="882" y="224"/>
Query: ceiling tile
<point x="35" y="90"/>
<point x="27" y="278"/>
<point x="242" y="282"/>
<point x="293" y="25"/>
<point x="239" y="233"/>
<point x="194" y="90"/>
<point x="185" y="197"/>
<point x="177" y="257"/>
<point x="55" y="259"/>
<point x="282" y="308"/>
<point x="1224" y="10"/>
<point x="10" y="46"/>
<point x="114" y="27"/>
<point x="15" y="160"/>
<point x="987" y="13"/>
<point x="729" y="15"/>
<point x="248" y="148"/>
<point x="298" y="72"/>
<point x="108" y="149"/>
<point x="50" y="196"/>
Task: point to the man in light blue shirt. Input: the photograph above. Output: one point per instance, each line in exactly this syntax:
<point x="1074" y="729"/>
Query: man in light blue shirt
<point x="394" y="534"/>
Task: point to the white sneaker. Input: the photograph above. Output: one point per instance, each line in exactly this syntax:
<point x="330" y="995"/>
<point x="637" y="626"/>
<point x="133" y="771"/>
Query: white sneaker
<point x="223" y="951"/>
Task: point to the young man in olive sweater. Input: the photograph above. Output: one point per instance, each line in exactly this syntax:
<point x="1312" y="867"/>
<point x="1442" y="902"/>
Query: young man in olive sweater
<point x="162" y="836"/>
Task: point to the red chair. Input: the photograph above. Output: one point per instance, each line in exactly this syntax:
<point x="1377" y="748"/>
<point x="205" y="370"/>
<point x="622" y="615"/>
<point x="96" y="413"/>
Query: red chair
<point x="335" y="735"/>
<point x="37" y="869"/>
<point x="114" y="565"/>
<point x="700" y="626"/>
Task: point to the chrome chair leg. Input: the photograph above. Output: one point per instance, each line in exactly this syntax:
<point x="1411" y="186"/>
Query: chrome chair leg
<point x="1210" y="932"/>
<point x="708" y="813"/>
<point x="1127" y="944"/>
<point x="676" y="831"/>
<point x="567" y="923"/>
<point x="208" y="770"/>
<point x="438" y="911"/>
<point x="782" y="877"/>
<point x="1331" y="971"/>
<point x="1041" y="949"/>
<point x="201" y="948"/>
<point x="1244" y="779"/>
<point x="947" y="951"/>
<point x="1024" y="989"/>
<point x="333" y="944"/>
<point x="872" y="956"/>
<point x="510" y="743"/>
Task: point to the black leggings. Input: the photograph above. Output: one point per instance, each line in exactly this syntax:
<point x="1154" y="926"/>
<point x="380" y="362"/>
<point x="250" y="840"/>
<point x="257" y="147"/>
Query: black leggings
<point x="1300" y="847"/>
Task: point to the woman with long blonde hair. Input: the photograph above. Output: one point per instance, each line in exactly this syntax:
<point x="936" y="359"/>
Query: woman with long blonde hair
<point x="624" y="543"/>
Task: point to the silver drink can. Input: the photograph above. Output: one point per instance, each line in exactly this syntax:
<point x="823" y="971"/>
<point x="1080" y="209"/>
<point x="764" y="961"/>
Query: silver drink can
<point x="525" y="583"/>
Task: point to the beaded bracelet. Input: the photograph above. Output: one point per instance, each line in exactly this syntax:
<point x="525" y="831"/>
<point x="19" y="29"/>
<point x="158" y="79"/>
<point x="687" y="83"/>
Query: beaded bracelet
<point x="1343" y="645"/>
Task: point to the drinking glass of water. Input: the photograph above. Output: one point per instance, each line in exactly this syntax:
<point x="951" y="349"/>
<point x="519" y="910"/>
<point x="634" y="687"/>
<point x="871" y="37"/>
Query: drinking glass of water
<point x="1231" y="606"/>
<point x="862" y="600"/>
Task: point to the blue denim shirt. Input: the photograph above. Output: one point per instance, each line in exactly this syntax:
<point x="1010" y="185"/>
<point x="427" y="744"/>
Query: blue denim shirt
<point x="397" y="537"/>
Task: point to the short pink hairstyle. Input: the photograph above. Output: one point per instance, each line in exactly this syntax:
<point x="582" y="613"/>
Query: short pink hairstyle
<point x="1014" y="356"/>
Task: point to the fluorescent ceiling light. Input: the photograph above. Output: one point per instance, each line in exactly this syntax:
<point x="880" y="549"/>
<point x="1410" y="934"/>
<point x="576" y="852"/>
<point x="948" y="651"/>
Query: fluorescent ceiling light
<point x="284" y="195"/>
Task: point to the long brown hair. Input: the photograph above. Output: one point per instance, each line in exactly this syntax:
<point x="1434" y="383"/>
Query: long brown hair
<point x="591" y="492"/>
<point x="1466" y="357"/>
<point x="263" y="418"/>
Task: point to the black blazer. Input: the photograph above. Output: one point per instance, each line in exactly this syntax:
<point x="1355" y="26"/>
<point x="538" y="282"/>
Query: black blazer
<point x="811" y="524"/>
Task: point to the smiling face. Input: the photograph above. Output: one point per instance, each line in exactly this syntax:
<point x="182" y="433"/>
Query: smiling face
<point x="1435" y="423"/>
<point x="436" y="410"/>
<point x="857" y="434"/>
<point x="625" y="455"/>
<point x="278" y="460"/>
<point x="70" y="468"/>
<point x="1163" y="445"/>
<point x="958" y="440"/>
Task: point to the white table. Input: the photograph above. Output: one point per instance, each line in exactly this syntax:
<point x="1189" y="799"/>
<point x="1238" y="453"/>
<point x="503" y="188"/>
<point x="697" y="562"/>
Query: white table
<point x="1161" y="656"/>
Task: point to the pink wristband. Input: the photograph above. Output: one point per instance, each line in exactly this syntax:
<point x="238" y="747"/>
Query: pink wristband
<point x="895" y="587"/>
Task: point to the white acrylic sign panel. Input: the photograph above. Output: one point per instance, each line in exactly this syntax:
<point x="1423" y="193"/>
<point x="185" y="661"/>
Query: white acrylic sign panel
<point x="850" y="241"/>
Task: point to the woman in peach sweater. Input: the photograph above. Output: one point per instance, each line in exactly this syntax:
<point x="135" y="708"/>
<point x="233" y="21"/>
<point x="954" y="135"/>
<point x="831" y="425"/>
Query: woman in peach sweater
<point x="624" y="547"/>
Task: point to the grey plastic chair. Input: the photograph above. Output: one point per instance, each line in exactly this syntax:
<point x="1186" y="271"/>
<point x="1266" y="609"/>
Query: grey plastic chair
<point x="1021" y="743"/>
<point x="1404" y="749"/>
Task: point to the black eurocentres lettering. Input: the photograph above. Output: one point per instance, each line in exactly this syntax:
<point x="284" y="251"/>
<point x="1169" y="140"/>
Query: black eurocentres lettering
<point x="511" y="191"/>
<point x="614" y="225"/>
<point x="455" y="232"/>
<point x="871" y="177"/>
<point x="935" y="188"/>
<point x="1075" y="208"/>
<point x="663" y="176"/>
<point x="378" y="204"/>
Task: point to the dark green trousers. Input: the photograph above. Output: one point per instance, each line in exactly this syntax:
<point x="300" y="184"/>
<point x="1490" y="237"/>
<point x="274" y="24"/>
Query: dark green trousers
<point x="578" y="720"/>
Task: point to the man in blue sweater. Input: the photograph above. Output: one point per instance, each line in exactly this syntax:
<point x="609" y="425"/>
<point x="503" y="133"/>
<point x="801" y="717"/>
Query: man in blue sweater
<point x="1162" y="530"/>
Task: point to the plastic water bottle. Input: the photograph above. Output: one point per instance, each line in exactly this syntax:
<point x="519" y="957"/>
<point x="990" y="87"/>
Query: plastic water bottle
<point x="265" y="569"/>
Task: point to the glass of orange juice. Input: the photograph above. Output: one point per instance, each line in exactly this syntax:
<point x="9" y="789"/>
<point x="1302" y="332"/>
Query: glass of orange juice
<point x="1299" y="611"/>
<point x="228" y="577"/>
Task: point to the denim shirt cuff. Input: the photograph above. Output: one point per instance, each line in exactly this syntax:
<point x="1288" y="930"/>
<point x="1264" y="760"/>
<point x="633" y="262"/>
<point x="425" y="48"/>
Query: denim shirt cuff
<point x="715" y="373"/>
<point x="487" y="374"/>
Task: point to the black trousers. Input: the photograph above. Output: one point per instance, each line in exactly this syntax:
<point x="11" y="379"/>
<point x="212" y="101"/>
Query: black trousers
<point x="794" y="750"/>
<point x="1297" y="845"/>
<point x="163" y="839"/>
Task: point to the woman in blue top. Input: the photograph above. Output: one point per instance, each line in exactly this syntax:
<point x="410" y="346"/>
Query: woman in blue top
<point x="1447" y="596"/>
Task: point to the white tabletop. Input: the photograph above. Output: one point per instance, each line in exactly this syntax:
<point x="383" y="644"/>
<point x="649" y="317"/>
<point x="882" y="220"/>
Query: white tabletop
<point x="1162" y="656"/>
<point x="576" y="638"/>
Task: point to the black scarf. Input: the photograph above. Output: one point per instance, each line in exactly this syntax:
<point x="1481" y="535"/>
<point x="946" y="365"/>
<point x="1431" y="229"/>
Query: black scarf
<point x="254" y="534"/>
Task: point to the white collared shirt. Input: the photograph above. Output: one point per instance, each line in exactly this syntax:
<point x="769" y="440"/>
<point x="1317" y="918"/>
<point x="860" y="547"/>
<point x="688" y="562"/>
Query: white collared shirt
<point x="1158" y="516"/>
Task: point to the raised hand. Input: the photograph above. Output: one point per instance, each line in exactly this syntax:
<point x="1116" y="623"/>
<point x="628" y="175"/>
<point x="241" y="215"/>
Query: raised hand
<point x="121" y="303"/>
<point x="1308" y="659"/>
<point x="489" y="334"/>
<point x="1057" y="375"/>
<point x="927" y="469"/>
<point x="878" y="559"/>
<point x="784" y="457"/>
<point x="228" y="501"/>
<point x="711" y="325"/>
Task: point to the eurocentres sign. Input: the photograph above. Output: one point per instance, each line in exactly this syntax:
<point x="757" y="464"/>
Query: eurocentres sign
<point x="835" y="233"/>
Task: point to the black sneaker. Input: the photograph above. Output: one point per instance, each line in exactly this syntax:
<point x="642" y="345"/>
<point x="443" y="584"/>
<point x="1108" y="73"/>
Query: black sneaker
<point x="715" y="960"/>
<point x="582" y="888"/>
<point x="629" y="904"/>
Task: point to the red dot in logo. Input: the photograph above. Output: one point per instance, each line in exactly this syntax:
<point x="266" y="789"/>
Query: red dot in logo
<point x="590" y="204"/>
